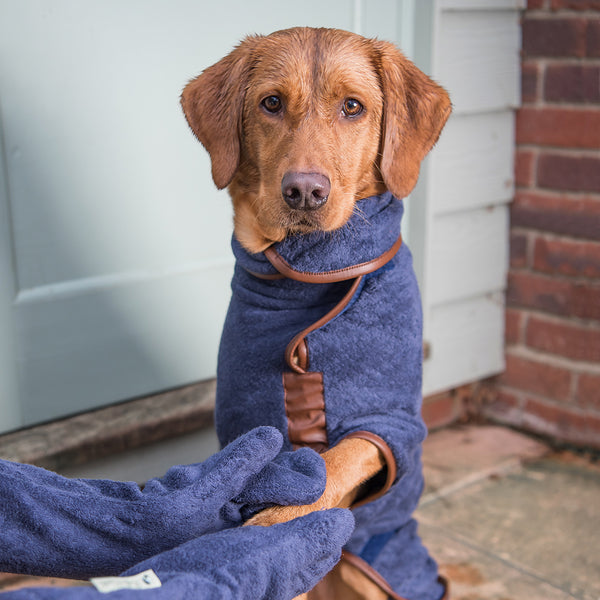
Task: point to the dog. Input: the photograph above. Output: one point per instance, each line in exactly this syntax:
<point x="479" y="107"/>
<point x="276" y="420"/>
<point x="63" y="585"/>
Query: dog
<point x="317" y="134"/>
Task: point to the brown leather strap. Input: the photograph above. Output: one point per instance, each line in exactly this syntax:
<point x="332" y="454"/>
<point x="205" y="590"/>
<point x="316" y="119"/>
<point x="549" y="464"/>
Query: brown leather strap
<point x="365" y="568"/>
<point x="343" y="274"/>
<point x="298" y="360"/>
<point x="443" y="581"/>
<point x="296" y="353"/>
<point x="390" y="462"/>
<point x="267" y="276"/>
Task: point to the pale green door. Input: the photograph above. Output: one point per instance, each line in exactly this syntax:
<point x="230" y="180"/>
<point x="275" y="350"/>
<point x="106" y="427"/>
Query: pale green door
<point x="114" y="244"/>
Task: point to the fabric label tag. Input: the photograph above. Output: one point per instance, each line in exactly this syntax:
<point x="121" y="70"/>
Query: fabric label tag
<point x="146" y="580"/>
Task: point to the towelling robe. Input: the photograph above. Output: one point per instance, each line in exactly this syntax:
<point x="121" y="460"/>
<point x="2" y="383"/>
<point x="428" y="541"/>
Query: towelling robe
<point x="323" y="340"/>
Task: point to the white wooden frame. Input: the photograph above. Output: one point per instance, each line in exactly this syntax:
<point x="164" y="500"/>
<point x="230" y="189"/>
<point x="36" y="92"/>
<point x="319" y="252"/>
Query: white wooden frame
<point x="459" y="210"/>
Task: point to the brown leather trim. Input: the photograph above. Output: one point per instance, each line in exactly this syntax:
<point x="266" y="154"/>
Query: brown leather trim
<point x="267" y="276"/>
<point x="365" y="568"/>
<point x="302" y="354"/>
<point x="292" y="352"/>
<point x="443" y="581"/>
<point x="390" y="462"/>
<point x="329" y="276"/>
<point x="305" y="410"/>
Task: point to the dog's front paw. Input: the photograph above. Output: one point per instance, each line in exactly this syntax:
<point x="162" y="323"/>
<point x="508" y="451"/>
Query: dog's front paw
<point x="279" y="514"/>
<point x="331" y="498"/>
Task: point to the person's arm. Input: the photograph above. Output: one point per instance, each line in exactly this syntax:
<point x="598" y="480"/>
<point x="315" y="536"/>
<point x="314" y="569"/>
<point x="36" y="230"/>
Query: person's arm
<point x="54" y="526"/>
<point x="246" y="563"/>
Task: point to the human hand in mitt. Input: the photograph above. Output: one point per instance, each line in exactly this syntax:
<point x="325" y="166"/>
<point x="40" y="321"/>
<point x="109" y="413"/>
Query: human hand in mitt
<point x="247" y="563"/>
<point x="79" y="528"/>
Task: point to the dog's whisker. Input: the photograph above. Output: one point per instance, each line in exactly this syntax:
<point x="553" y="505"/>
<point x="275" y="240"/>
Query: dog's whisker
<point x="358" y="212"/>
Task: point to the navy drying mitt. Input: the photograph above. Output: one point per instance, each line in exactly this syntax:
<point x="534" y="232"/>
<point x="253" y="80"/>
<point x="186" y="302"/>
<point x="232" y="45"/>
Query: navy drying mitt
<point x="247" y="563"/>
<point x="79" y="528"/>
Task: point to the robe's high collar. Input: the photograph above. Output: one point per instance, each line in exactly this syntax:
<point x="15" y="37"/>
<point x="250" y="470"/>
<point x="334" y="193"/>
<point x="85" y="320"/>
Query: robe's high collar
<point x="371" y="231"/>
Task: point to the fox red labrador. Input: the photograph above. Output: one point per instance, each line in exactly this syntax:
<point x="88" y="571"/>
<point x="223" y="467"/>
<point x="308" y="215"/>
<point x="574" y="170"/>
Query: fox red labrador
<point x="301" y="126"/>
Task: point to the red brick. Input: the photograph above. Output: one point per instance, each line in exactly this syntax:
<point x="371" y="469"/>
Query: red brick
<point x="592" y="42"/>
<point x="573" y="173"/>
<point x="558" y="421"/>
<point x="505" y="408"/>
<point x="529" y="82"/>
<point x="512" y="326"/>
<point x="575" y="4"/>
<point x="524" y="168"/>
<point x="560" y="257"/>
<point x="535" y="4"/>
<point x="554" y="37"/>
<point x="555" y="296"/>
<point x="588" y="391"/>
<point x="440" y="410"/>
<point x="562" y="127"/>
<point x="518" y="250"/>
<point x="564" y="339"/>
<point x="561" y="214"/>
<point x="572" y="83"/>
<point x="536" y="377"/>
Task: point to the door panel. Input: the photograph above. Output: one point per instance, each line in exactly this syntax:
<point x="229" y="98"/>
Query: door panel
<point x="115" y="244"/>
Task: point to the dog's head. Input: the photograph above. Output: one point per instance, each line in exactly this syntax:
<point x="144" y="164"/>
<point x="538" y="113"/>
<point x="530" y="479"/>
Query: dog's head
<point x="304" y="122"/>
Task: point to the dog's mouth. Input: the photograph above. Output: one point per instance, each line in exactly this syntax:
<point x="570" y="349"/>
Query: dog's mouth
<point x="303" y="222"/>
<point x="329" y="217"/>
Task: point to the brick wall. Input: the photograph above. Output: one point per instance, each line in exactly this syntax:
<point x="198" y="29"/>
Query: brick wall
<point x="552" y="379"/>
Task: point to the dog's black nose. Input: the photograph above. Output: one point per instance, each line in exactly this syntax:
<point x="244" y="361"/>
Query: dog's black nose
<point x="305" y="191"/>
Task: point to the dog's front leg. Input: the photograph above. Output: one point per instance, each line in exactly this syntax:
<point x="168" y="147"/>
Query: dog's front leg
<point x="350" y="466"/>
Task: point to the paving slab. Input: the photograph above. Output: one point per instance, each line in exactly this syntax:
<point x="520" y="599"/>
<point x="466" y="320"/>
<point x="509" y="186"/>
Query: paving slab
<point x="475" y="574"/>
<point x="515" y="526"/>
<point x="459" y="456"/>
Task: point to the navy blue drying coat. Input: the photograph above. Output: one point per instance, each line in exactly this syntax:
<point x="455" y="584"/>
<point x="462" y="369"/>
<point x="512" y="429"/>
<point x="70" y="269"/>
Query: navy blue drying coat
<point x="333" y="348"/>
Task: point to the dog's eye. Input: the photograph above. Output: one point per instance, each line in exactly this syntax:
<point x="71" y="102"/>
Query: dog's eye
<point x="272" y="104"/>
<point x="352" y="107"/>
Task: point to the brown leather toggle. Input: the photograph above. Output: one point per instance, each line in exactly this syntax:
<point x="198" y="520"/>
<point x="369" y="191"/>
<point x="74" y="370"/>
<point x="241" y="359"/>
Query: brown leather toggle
<point x="305" y="409"/>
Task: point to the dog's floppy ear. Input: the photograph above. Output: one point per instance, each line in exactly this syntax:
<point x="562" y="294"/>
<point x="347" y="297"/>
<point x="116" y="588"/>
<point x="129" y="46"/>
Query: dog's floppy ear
<point x="213" y="103"/>
<point x="414" y="113"/>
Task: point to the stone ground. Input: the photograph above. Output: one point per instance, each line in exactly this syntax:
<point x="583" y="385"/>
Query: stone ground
<point x="505" y="517"/>
<point x="509" y="520"/>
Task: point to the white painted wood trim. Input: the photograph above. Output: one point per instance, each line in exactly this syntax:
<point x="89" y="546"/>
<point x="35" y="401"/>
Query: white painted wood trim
<point x="460" y="207"/>
<point x="475" y="162"/>
<point x="469" y="255"/>
<point x="467" y="342"/>
<point x="483" y="4"/>
<point x="480" y="64"/>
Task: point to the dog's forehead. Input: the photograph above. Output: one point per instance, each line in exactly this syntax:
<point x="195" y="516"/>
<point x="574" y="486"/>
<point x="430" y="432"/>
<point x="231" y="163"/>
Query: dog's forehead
<point x="319" y="58"/>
